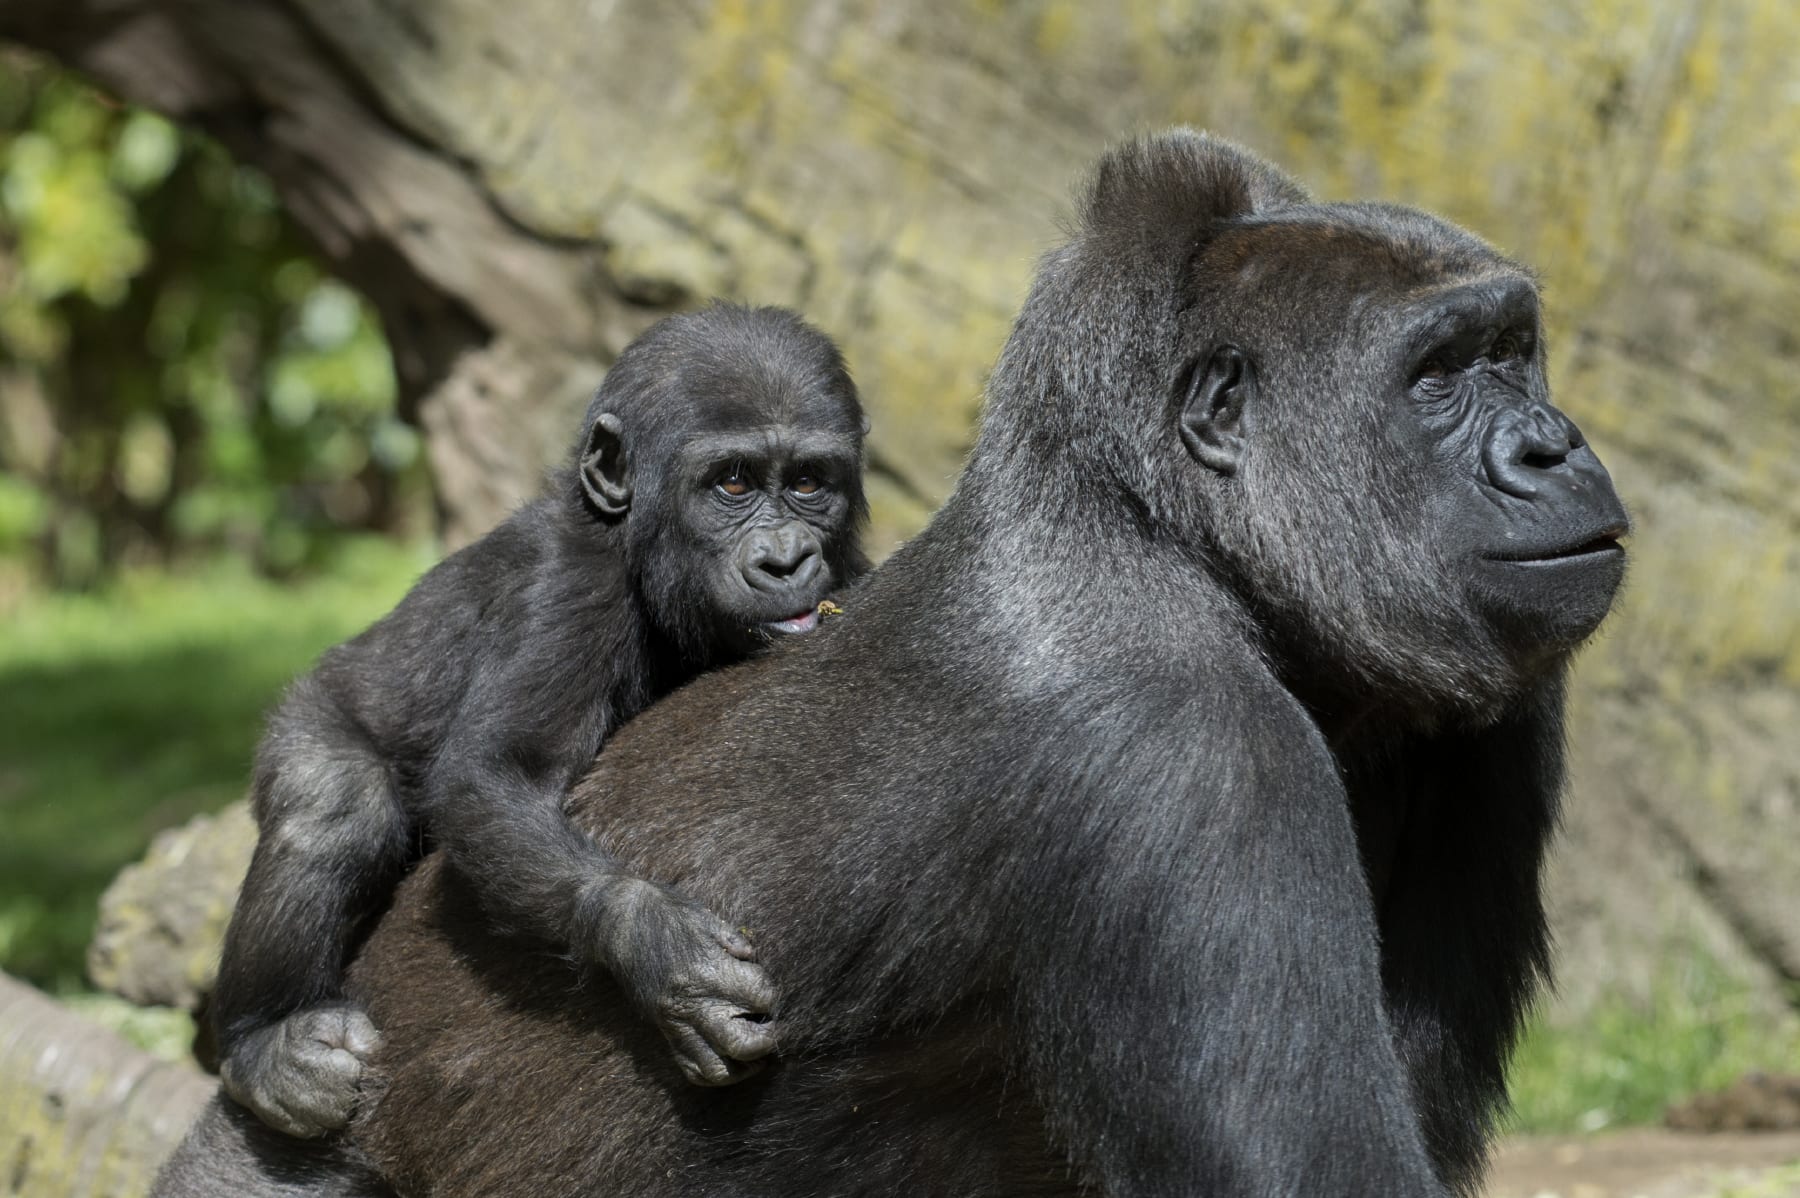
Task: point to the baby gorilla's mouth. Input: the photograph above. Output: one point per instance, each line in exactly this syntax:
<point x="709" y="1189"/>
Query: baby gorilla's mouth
<point x="806" y="621"/>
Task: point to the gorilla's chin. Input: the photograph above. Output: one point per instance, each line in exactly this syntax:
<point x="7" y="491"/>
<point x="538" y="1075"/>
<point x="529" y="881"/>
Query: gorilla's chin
<point x="1551" y="603"/>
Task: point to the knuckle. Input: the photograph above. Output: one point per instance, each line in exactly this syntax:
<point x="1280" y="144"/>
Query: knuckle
<point x="749" y="1006"/>
<point x="674" y="1011"/>
<point x="755" y="990"/>
<point x="749" y="1051"/>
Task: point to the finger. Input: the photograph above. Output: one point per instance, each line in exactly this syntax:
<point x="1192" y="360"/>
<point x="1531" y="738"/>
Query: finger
<point x="306" y="1113"/>
<point x="317" y="1059"/>
<point x="359" y="1034"/>
<point x="287" y="1122"/>
<point x="746" y="985"/>
<point x="345" y="1065"/>
<point x="699" y="1063"/>
<point x="731" y="1035"/>
<point x="727" y="1072"/>
<point x="340" y="1027"/>
<point x="736" y="942"/>
<point x="309" y="1123"/>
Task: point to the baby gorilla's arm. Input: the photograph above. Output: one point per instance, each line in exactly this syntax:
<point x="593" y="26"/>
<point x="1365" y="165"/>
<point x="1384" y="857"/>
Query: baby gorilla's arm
<point x="494" y="803"/>
<point x="685" y="968"/>
<point x="333" y="839"/>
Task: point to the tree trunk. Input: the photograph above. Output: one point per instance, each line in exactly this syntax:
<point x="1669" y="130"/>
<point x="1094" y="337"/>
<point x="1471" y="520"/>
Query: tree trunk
<point x="521" y="187"/>
<point x="82" y="1113"/>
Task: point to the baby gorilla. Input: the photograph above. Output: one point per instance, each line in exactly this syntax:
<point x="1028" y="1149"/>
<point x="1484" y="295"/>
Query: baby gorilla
<point x="714" y="499"/>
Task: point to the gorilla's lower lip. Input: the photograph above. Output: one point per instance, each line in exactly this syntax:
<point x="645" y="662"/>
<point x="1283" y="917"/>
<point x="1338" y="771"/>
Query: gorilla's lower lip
<point x="1604" y="543"/>
<point x="806" y="621"/>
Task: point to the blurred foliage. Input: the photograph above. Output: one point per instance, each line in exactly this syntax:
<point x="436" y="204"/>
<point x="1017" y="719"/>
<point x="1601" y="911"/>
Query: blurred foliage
<point x="134" y="706"/>
<point x="176" y="374"/>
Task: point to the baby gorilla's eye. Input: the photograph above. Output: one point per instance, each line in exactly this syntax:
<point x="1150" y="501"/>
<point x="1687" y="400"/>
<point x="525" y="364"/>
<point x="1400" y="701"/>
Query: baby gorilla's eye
<point x="806" y="484"/>
<point x="1433" y="372"/>
<point x="735" y="484"/>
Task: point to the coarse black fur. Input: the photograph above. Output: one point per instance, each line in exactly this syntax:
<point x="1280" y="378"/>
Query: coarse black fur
<point x="1165" y="819"/>
<point x="712" y="501"/>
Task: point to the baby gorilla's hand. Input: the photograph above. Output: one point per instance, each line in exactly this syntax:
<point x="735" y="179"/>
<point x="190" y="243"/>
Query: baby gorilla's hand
<point x="301" y="1075"/>
<point x="693" y="975"/>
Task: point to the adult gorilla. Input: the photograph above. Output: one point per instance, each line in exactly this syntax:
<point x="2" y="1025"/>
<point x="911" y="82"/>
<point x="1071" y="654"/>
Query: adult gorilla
<point x="1165" y="819"/>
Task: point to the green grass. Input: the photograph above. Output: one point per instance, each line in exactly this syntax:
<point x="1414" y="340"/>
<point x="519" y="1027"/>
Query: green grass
<point x="1783" y="1182"/>
<point x="1626" y="1062"/>
<point x="129" y="710"/>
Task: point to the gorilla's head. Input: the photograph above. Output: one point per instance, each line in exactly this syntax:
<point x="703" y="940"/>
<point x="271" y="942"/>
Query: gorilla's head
<point x="1342" y="408"/>
<point x="729" y="443"/>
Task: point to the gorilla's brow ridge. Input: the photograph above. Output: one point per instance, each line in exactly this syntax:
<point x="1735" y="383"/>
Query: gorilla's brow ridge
<point x="1496" y="300"/>
<point x="801" y="443"/>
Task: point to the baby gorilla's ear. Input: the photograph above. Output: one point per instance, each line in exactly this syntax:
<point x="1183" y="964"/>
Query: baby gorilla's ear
<point x="605" y="474"/>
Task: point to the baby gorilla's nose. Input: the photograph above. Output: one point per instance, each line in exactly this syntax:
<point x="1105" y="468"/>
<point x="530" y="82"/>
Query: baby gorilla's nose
<point x="780" y="559"/>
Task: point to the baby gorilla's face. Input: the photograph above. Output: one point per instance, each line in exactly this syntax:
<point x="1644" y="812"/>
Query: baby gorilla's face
<point x="758" y="526"/>
<point x="767" y="511"/>
<point x="730" y="442"/>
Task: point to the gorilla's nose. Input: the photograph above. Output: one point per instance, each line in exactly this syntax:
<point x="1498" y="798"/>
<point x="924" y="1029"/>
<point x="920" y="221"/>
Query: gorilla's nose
<point x="780" y="559"/>
<point x="1526" y="445"/>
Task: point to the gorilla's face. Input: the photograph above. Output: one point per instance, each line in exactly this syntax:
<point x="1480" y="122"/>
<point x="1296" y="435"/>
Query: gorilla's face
<point x="730" y="443"/>
<point x="1390" y="479"/>
<point x="1520" y="507"/>
<point x="765" y="512"/>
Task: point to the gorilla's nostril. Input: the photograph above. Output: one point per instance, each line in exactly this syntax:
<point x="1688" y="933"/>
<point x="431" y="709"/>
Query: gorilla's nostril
<point x="769" y="570"/>
<point x="780" y="569"/>
<point x="1543" y="461"/>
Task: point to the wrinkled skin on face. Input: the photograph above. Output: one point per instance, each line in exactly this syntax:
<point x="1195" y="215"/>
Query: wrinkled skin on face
<point x="764" y="508"/>
<point x="1515" y="482"/>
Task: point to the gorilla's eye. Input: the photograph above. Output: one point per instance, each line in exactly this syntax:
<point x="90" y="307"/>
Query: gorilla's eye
<point x="1507" y="348"/>
<point x="806" y="484"/>
<point x="1433" y="373"/>
<point x="735" y="483"/>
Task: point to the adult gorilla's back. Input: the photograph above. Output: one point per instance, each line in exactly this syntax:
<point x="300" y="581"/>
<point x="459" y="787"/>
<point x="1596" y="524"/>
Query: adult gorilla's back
<point x="1239" y="645"/>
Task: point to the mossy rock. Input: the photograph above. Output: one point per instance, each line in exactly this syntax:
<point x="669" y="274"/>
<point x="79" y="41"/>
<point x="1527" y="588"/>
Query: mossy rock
<point x="162" y="920"/>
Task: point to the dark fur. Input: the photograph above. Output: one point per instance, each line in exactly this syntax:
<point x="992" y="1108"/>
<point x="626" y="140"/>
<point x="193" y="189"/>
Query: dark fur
<point x="1165" y="819"/>
<point x="461" y="719"/>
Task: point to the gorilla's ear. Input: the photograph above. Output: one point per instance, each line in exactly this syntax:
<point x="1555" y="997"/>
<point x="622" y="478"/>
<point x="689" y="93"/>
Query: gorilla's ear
<point x="605" y="475"/>
<point x="1214" y="408"/>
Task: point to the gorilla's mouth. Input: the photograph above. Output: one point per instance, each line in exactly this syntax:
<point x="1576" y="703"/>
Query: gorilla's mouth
<point x="806" y="621"/>
<point x="1605" y="542"/>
